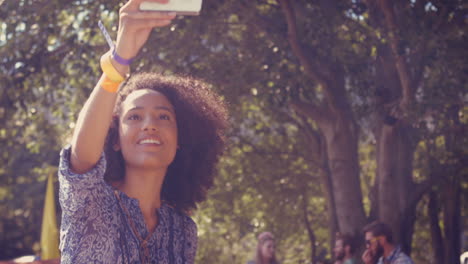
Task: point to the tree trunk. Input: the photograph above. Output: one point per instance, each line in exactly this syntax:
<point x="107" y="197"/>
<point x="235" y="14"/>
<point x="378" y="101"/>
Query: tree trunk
<point x="393" y="202"/>
<point x="436" y="233"/>
<point x="451" y="190"/>
<point x="341" y="142"/>
<point x="394" y="172"/>
<point x="328" y="184"/>
<point x="337" y="124"/>
<point x="331" y="208"/>
<point x="452" y="216"/>
<point x="310" y="232"/>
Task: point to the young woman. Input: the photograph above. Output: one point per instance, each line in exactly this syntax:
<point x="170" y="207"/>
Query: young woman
<point x="265" y="253"/>
<point x="142" y="156"/>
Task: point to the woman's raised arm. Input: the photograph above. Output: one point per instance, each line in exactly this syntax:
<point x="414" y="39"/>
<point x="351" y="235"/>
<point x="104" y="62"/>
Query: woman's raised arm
<point x="96" y="115"/>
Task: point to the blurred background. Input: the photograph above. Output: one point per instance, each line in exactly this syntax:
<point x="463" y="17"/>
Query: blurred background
<point x="342" y="112"/>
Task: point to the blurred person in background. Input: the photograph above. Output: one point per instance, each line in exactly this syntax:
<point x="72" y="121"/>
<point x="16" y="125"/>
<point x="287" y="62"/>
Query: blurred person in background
<point x="344" y="249"/>
<point x="265" y="253"/>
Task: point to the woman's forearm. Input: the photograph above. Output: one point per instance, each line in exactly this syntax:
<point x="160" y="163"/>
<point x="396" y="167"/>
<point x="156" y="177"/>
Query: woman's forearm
<point x="91" y="129"/>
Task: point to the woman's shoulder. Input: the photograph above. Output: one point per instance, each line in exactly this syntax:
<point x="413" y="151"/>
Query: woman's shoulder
<point x="179" y="222"/>
<point x="178" y="215"/>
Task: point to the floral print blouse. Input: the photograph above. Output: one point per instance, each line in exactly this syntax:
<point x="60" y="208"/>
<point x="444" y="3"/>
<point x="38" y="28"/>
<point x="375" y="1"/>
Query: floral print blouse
<point x="96" y="225"/>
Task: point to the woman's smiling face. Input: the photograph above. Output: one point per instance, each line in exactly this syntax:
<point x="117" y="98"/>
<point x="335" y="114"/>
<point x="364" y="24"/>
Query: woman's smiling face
<point x="147" y="130"/>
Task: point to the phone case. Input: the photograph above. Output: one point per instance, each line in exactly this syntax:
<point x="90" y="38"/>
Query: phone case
<point x="183" y="7"/>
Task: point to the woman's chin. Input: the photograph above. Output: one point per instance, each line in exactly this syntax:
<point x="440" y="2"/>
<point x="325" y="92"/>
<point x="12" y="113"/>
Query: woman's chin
<point x="148" y="164"/>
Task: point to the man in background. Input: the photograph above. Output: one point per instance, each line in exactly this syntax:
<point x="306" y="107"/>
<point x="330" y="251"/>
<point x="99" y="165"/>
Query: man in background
<point x="380" y="247"/>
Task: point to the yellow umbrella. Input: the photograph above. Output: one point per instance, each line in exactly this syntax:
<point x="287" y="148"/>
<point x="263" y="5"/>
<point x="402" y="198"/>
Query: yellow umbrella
<point x="49" y="233"/>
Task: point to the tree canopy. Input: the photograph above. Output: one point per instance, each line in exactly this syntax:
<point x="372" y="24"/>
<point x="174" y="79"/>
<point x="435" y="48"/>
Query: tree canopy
<point x="342" y="112"/>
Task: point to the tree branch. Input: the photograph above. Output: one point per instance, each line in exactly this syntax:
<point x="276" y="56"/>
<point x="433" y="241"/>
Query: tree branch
<point x="309" y="69"/>
<point x="395" y="43"/>
<point x="436" y="233"/>
<point x="311" y="111"/>
<point x="310" y="231"/>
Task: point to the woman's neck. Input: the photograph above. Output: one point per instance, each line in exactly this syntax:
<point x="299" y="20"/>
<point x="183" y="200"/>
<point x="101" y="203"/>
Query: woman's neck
<point x="145" y="186"/>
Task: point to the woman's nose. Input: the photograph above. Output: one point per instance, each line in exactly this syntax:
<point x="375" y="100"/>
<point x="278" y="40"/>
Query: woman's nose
<point x="149" y="124"/>
<point x="150" y="128"/>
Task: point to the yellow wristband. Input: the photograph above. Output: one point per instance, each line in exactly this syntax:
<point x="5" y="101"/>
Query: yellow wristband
<point x="109" y="85"/>
<point x="109" y="69"/>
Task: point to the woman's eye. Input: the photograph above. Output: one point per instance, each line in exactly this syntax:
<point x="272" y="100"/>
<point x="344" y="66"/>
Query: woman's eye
<point x="164" y="117"/>
<point x="134" y="117"/>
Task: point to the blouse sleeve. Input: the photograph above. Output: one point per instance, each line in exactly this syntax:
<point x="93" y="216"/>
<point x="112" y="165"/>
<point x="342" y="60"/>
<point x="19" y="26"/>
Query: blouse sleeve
<point x="85" y="200"/>
<point x="78" y="190"/>
<point x="192" y="240"/>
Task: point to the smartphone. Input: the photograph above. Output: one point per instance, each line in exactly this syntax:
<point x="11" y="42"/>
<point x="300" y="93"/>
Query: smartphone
<point x="182" y="7"/>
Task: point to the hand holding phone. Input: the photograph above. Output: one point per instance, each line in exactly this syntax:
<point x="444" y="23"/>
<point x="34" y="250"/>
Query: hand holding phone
<point x="135" y="27"/>
<point x="181" y="7"/>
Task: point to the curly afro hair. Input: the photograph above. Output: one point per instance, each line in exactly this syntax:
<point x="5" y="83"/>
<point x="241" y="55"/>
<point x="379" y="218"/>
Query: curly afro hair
<point x="202" y="121"/>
